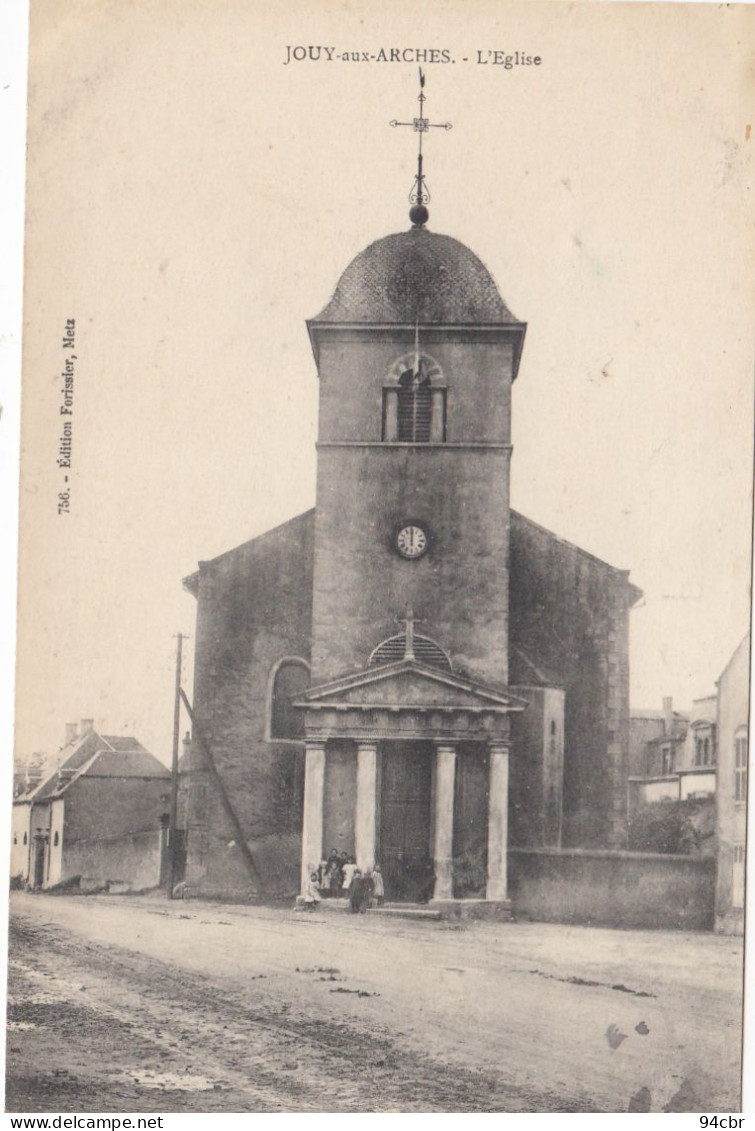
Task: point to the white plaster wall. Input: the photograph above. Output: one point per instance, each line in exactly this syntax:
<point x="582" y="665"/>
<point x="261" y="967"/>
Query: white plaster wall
<point x="661" y="790"/>
<point x="696" y="783"/>
<point x="55" y="858"/>
<point x="19" y="852"/>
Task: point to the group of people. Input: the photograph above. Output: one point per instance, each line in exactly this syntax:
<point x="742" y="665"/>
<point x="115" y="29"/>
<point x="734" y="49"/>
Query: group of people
<point x="339" y="876"/>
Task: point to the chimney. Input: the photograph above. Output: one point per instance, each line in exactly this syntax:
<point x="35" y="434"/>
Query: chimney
<point x="88" y="724"/>
<point x="71" y="733"/>
<point x="668" y="716"/>
<point x="34" y="768"/>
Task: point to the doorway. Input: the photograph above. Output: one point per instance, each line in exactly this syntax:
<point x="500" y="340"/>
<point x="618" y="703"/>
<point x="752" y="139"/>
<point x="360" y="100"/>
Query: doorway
<point x="405" y="854"/>
<point x="40" y="844"/>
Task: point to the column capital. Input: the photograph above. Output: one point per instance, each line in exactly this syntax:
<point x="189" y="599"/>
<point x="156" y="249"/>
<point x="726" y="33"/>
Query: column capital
<point x="366" y="744"/>
<point x="315" y="744"/>
<point x="499" y="746"/>
<point x="447" y="744"/>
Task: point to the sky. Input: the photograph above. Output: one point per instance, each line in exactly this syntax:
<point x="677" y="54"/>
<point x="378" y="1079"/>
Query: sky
<point x="192" y="198"/>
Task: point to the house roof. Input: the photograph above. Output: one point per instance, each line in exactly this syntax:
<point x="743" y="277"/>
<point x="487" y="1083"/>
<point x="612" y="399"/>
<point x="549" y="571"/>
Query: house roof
<point x="124" y="764"/>
<point x="653" y="715"/>
<point x="122" y="742"/>
<point x="97" y="755"/>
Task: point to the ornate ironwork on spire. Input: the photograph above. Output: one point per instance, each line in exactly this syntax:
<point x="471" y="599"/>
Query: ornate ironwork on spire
<point x="419" y="197"/>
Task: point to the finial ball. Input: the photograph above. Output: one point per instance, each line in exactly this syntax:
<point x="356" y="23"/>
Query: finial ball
<point x="419" y="215"/>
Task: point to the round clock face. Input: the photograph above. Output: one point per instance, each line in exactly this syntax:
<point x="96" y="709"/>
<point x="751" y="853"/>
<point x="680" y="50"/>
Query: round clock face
<point x="411" y="541"/>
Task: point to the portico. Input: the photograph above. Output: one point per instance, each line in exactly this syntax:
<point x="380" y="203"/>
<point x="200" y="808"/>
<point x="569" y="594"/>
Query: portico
<point x="395" y="733"/>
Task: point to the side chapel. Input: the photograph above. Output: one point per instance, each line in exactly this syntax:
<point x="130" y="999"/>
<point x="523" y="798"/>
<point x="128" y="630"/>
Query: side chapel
<point x="411" y="672"/>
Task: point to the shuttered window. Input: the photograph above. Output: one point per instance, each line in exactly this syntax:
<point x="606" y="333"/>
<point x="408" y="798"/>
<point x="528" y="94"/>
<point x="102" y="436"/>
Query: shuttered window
<point x="414" y="407"/>
<point x="426" y="651"/>
<point x="740" y="767"/>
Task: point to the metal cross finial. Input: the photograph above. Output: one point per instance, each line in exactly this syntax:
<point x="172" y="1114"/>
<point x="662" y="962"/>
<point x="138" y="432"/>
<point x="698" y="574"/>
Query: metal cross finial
<point x="419" y="197"/>
<point x="409" y="620"/>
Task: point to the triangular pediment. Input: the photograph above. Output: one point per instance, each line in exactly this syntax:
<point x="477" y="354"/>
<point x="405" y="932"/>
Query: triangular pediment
<point x="408" y="685"/>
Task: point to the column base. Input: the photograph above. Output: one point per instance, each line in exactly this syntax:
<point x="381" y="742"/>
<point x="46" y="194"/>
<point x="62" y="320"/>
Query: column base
<point x="496" y="910"/>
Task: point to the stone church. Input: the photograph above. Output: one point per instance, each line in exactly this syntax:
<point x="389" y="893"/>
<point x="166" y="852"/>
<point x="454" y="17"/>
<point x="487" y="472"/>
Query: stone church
<point x="411" y="672"/>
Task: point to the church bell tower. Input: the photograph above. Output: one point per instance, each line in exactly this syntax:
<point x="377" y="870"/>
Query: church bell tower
<point x="407" y="716"/>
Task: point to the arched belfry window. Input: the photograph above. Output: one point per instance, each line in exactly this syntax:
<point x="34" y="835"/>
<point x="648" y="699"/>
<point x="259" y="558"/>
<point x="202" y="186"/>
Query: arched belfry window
<point x="288" y="680"/>
<point x="414" y="401"/>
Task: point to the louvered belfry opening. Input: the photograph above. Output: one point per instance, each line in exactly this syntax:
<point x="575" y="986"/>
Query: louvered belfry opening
<point x="426" y="651"/>
<point x="414" y="407"/>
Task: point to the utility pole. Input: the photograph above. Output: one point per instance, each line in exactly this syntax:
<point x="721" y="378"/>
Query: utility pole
<point x="174" y="770"/>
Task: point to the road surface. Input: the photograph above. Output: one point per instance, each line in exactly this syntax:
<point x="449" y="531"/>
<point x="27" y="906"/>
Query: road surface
<point x="124" y="1004"/>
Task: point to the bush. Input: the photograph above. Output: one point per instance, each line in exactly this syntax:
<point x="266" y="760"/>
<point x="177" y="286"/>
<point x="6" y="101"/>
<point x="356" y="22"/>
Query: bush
<point x="682" y="828"/>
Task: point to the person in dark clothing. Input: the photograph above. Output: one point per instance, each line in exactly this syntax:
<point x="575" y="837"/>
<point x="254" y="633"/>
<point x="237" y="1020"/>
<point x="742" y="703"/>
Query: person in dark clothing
<point x="355" y="891"/>
<point x="335" y="873"/>
<point x="365" y="895"/>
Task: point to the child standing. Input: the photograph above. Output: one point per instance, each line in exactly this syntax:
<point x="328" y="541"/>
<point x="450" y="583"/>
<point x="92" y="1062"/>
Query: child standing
<point x="378" y="886"/>
<point x="311" y="895"/>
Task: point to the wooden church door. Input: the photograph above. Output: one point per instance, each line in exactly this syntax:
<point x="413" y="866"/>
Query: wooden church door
<point x="405" y="855"/>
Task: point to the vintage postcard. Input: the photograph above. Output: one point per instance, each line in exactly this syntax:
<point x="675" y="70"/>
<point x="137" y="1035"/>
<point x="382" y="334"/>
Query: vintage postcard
<point x="385" y="555"/>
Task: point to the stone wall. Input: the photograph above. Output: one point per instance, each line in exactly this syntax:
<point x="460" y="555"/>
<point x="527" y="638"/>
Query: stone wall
<point x="254" y="609"/>
<point x="536" y="769"/>
<point x="569" y="627"/>
<point x="457" y="491"/>
<point x="109" y="806"/>
<point x="612" y="889"/>
<point x="130" y="860"/>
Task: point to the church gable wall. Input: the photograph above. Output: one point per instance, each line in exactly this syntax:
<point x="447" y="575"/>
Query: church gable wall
<point x="254" y="609"/>
<point x="569" y="617"/>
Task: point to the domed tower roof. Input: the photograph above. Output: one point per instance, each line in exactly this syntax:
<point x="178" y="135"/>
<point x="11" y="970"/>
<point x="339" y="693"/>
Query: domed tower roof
<point x="417" y="276"/>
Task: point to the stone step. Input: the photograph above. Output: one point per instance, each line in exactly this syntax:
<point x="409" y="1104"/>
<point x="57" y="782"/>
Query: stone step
<point x="406" y="911"/>
<point x="392" y="910"/>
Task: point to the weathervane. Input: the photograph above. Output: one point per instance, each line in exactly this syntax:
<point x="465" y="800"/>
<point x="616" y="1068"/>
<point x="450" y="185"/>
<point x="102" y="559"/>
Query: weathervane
<point x="419" y="197"/>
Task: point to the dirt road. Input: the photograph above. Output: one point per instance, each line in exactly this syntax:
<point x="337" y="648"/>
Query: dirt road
<point x="138" y="1005"/>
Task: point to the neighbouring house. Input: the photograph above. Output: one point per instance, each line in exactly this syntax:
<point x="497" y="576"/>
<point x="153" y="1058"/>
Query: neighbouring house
<point x="99" y="815"/>
<point x="672" y="780"/>
<point x="731" y="797"/>
<point x="672" y="754"/>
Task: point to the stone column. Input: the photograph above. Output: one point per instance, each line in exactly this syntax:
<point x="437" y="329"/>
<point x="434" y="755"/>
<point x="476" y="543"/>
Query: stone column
<point x="437" y="404"/>
<point x="364" y="826"/>
<point x="391" y="414"/>
<point x="314" y="788"/>
<point x="443" y="838"/>
<point x="498" y="821"/>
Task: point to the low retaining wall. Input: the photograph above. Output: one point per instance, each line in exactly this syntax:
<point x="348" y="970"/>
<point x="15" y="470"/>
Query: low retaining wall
<point x="615" y="889"/>
<point x="133" y="860"/>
